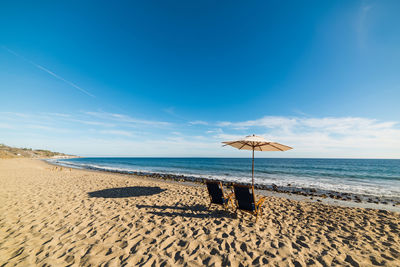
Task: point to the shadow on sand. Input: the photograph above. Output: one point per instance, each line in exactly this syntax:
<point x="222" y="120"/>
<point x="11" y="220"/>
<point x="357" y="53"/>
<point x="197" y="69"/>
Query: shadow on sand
<point x="133" y="191"/>
<point x="195" y="211"/>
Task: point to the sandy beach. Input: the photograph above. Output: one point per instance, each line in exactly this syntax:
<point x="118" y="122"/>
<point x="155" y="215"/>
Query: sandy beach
<point x="63" y="217"/>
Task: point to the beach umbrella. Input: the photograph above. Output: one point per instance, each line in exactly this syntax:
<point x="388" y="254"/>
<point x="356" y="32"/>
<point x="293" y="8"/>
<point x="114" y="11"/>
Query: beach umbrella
<point x="256" y="143"/>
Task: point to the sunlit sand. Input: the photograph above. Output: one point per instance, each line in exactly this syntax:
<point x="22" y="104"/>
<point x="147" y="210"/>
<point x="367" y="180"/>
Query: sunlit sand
<point x="61" y="217"/>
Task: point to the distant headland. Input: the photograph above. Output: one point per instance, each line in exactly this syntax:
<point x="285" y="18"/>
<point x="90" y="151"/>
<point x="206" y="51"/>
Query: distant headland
<point x="13" y="152"/>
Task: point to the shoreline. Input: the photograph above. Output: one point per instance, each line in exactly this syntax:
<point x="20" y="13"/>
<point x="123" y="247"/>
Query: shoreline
<point x="328" y="197"/>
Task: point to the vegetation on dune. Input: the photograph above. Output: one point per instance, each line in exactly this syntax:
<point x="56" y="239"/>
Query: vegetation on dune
<point x="13" y="152"/>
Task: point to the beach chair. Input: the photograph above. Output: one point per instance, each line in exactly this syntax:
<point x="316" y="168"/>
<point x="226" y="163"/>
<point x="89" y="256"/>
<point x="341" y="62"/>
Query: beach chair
<point x="217" y="196"/>
<point x="246" y="200"/>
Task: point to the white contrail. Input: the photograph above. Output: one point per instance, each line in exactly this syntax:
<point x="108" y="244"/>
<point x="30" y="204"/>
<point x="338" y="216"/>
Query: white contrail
<point x="49" y="72"/>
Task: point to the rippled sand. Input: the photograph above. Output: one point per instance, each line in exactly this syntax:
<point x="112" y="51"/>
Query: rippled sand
<point x="62" y="217"/>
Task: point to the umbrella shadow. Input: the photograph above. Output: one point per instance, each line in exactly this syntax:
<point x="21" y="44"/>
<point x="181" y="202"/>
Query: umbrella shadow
<point x="195" y="211"/>
<point x="123" y="192"/>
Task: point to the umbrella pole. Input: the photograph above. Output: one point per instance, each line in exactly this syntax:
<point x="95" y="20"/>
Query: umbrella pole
<point x="252" y="169"/>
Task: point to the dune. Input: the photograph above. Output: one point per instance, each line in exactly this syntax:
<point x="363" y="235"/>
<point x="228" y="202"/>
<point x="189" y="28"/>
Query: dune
<point x="62" y="217"/>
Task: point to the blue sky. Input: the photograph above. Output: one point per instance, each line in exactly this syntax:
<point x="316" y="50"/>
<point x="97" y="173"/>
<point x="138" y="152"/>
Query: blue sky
<point x="175" y="78"/>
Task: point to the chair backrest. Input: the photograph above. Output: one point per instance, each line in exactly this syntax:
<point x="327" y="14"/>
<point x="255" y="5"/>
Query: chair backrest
<point x="244" y="195"/>
<point x="215" y="191"/>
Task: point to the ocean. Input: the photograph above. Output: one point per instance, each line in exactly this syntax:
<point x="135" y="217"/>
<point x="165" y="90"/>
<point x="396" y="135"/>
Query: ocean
<point x="374" y="177"/>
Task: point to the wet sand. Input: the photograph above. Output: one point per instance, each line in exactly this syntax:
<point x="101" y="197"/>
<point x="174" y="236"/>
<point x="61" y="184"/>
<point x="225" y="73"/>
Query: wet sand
<point x="57" y="216"/>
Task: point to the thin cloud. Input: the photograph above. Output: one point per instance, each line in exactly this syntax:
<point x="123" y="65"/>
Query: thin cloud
<point x="15" y="114"/>
<point x="98" y="119"/>
<point x="5" y="126"/>
<point x="267" y="121"/>
<point x="63" y="115"/>
<point x="94" y="123"/>
<point x="44" y="128"/>
<point x="198" y="123"/>
<point x="309" y="136"/>
<point x="170" y="110"/>
<point x="40" y="127"/>
<point x="330" y="136"/>
<point x="125" y="118"/>
<point x="228" y="137"/>
<point x="49" y="72"/>
<point x="117" y="132"/>
<point x="361" y="26"/>
<point x="329" y="124"/>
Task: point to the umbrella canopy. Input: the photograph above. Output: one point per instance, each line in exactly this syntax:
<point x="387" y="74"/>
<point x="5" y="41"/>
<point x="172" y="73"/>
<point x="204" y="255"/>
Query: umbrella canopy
<point x="256" y="143"/>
